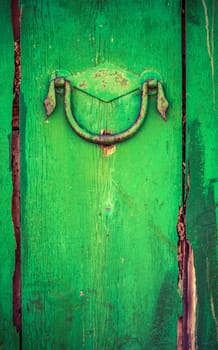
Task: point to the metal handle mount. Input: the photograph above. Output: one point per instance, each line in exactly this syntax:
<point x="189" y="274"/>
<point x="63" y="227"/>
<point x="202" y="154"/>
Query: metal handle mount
<point x="151" y="84"/>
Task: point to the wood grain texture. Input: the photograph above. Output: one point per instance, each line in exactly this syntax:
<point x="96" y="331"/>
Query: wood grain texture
<point x="202" y="158"/>
<point x="99" y="242"/>
<point x="8" y="335"/>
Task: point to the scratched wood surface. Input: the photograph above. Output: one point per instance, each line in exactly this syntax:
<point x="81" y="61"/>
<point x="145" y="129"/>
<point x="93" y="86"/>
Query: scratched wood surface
<point x="202" y="154"/>
<point x="99" y="242"/>
<point x="8" y="336"/>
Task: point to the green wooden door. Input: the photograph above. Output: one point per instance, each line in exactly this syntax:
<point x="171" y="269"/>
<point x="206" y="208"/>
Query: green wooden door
<point x="99" y="243"/>
<point x="102" y="245"/>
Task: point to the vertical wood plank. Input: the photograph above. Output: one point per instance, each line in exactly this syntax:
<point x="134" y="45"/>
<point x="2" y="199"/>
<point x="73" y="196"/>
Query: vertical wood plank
<point x="8" y="335"/>
<point x="99" y="243"/>
<point x="202" y="161"/>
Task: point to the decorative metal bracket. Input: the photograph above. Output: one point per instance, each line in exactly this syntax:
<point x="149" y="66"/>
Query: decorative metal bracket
<point x="109" y="83"/>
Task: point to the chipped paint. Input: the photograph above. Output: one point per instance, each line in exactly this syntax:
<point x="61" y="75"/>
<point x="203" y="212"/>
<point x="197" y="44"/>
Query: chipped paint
<point x="106" y="82"/>
<point x="190" y="298"/>
<point x="187" y="286"/>
<point x="108" y="150"/>
<point x="179" y="334"/>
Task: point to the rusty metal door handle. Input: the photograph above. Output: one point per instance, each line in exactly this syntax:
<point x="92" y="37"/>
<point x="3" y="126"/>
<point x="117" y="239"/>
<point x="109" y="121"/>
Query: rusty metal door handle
<point x="106" y="139"/>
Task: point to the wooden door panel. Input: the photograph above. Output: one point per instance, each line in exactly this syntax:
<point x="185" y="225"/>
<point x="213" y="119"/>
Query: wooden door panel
<point x="202" y="160"/>
<point x="99" y="244"/>
<point x="8" y="335"/>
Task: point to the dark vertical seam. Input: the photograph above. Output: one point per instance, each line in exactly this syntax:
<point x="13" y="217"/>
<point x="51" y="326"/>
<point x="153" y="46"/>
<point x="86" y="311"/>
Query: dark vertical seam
<point x="183" y="244"/>
<point x="185" y="336"/>
<point x="15" y="163"/>
<point x="183" y="102"/>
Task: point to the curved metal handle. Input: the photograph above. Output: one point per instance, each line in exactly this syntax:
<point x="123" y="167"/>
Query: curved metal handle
<point x="105" y="139"/>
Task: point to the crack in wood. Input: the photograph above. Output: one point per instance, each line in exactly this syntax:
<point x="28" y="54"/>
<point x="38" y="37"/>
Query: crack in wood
<point x="186" y="281"/>
<point x="15" y="165"/>
<point x="186" y="274"/>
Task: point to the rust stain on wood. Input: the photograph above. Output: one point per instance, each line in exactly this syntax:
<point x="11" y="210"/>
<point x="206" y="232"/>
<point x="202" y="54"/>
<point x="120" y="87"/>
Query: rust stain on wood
<point x="108" y="150"/>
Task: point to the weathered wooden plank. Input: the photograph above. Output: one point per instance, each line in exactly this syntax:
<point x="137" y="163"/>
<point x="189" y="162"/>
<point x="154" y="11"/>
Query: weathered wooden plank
<point x="202" y="161"/>
<point x="8" y="335"/>
<point x="99" y="244"/>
